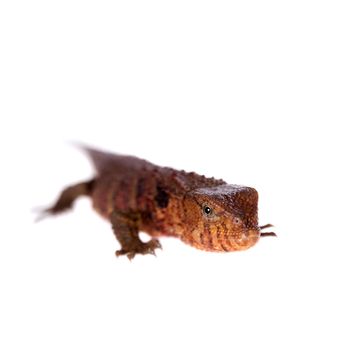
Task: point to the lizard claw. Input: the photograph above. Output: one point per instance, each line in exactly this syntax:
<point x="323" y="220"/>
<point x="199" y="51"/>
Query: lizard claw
<point x="131" y="255"/>
<point x="265" y="226"/>
<point x="151" y="246"/>
<point x="265" y="234"/>
<point x="143" y="248"/>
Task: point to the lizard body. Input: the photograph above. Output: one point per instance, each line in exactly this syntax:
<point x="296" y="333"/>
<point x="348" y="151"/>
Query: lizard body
<point x="136" y="195"/>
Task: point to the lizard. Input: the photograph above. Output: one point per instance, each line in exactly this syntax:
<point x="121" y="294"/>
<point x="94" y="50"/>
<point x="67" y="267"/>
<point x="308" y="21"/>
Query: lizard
<point x="136" y="195"/>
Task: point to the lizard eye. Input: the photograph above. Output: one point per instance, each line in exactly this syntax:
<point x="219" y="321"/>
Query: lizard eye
<point x="238" y="221"/>
<point x="207" y="210"/>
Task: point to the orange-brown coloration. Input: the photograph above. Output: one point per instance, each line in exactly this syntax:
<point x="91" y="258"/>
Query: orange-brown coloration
<point x="136" y="195"/>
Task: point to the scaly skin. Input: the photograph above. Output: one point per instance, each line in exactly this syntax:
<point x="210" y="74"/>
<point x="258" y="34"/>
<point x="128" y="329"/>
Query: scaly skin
<point x="136" y="195"/>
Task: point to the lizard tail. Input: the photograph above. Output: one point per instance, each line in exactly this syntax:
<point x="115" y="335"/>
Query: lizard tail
<point x="101" y="160"/>
<point x="105" y="162"/>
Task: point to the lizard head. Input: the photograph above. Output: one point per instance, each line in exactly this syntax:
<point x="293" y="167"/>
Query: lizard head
<point x="221" y="218"/>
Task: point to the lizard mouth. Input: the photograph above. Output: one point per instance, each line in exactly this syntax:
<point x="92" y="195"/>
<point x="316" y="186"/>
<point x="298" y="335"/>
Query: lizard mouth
<point x="266" y="234"/>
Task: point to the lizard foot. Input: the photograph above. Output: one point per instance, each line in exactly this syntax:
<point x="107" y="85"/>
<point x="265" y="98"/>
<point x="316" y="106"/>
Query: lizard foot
<point x="141" y="248"/>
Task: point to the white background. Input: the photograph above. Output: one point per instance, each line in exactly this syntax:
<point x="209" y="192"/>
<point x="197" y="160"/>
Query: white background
<point x="255" y="92"/>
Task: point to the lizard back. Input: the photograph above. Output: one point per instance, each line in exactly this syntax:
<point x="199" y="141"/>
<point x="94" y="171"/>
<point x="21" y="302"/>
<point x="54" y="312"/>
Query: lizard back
<point x="130" y="184"/>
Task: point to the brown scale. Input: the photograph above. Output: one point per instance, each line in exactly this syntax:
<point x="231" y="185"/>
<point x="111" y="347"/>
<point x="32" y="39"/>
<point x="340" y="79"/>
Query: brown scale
<point x="136" y="195"/>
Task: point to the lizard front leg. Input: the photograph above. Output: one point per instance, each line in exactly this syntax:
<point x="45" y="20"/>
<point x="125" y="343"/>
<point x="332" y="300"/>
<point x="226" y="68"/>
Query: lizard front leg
<point x="126" y="229"/>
